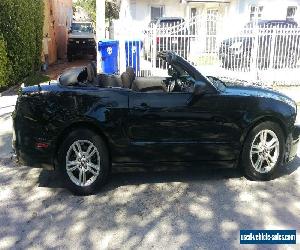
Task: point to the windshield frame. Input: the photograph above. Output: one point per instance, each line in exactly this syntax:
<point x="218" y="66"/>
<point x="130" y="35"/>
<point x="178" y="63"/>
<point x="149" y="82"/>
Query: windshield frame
<point x="83" y="27"/>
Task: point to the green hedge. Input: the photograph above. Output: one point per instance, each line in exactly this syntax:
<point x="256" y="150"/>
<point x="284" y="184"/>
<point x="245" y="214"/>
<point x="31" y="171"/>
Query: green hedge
<point x="5" y="69"/>
<point x="21" y="26"/>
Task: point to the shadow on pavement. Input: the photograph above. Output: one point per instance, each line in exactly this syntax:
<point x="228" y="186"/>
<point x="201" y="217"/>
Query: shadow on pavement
<point x="134" y="176"/>
<point x="169" y="209"/>
<point x="141" y="175"/>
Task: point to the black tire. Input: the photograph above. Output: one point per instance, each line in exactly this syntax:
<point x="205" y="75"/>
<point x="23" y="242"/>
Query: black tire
<point x="100" y="145"/>
<point x="246" y="162"/>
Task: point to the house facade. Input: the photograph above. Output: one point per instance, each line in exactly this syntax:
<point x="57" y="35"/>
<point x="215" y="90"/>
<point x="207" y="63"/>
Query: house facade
<point x="233" y="14"/>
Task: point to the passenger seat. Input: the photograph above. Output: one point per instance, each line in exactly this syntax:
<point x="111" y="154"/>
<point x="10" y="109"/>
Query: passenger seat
<point x="131" y="72"/>
<point x="128" y="77"/>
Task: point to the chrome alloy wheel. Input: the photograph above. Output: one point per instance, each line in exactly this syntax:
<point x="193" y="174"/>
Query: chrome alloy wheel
<point x="264" y="151"/>
<point x="83" y="163"/>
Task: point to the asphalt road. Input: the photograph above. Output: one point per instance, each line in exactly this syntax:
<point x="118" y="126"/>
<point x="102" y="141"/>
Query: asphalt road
<point x="162" y="209"/>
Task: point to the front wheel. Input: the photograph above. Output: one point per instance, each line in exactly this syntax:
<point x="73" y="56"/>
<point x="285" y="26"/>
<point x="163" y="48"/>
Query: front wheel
<point x="263" y="151"/>
<point x="83" y="162"/>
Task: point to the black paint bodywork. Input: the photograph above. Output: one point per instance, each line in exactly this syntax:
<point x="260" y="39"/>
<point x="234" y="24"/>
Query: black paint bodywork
<point x="148" y="127"/>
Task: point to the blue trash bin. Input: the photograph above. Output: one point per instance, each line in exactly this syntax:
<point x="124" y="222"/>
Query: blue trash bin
<point x="133" y="51"/>
<point x="109" y="51"/>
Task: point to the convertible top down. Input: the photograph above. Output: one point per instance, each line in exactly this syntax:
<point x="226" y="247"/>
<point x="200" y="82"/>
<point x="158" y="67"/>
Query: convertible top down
<point x="83" y="123"/>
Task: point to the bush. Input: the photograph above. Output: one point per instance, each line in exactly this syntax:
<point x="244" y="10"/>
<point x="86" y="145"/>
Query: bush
<point x="4" y="64"/>
<point x="21" y="25"/>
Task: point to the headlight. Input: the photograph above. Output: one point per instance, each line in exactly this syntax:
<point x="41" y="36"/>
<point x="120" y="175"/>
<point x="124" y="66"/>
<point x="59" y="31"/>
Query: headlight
<point x="71" y="40"/>
<point x="91" y="40"/>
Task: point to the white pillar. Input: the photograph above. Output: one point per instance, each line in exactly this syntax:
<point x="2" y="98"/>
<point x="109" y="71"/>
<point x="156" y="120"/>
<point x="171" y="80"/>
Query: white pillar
<point x="100" y="27"/>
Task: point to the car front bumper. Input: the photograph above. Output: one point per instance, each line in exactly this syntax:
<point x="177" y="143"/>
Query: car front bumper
<point x="81" y="49"/>
<point x="292" y="144"/>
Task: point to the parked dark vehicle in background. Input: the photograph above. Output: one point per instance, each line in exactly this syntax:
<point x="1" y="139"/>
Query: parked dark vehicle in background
<point x="84" y="123"/>
<point x="238" y="51"/>
<point x="81" y="40"/>
<point x="179" y="42"/>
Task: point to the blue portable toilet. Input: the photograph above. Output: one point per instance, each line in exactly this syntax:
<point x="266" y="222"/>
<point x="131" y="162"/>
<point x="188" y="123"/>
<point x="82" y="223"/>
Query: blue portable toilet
<point x="133" y="51"/>
<point x="109" y="51"/>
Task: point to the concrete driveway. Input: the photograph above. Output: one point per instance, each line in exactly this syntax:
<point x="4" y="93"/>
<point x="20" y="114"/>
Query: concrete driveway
<point x="163" y="209"/>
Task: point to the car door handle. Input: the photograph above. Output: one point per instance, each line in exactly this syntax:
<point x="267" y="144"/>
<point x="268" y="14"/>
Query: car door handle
<point x="142" y="107"/>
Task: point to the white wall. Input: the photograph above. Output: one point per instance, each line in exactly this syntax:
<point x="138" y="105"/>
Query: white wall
<point x="238" y="12"/>
<point x="233" y="15"/>
<point x="140" y="10"/>
<point x="273" y="9"/>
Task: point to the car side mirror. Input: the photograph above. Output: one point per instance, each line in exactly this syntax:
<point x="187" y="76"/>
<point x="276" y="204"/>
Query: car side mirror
<point x="199" y="90"/>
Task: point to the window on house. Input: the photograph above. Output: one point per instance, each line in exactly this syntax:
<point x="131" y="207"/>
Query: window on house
<point x="133" y="8"/>
<point x="291" y="11"/>
<point x="193" y="12"/>
<point x="256" y="12"/>
<point x="157" y="12"/>
<point x="211" y="30"/>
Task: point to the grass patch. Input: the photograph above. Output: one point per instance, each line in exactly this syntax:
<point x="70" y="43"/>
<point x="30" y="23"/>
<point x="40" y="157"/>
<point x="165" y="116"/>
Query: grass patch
<point x="35" y="79"/>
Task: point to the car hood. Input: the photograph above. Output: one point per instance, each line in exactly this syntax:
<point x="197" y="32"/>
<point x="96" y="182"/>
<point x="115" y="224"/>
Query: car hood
<point x="237" y="90"/>
<point x="76" y="35"/>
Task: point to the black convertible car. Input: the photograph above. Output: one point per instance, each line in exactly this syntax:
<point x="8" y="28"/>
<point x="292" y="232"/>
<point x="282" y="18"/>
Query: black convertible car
<point x="85" y="123"/>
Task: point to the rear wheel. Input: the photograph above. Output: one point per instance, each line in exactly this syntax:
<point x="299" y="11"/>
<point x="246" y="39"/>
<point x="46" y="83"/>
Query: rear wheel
<point x="263" y="151"/>
<point x="83" y="162"/>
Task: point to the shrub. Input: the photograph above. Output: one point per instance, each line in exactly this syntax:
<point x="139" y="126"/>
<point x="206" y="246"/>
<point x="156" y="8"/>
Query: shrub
<point x="4" y="64"/>
<point x="21" y="25"/>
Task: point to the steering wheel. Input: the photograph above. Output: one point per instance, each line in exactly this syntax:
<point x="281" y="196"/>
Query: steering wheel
<point x="171" y="85"/>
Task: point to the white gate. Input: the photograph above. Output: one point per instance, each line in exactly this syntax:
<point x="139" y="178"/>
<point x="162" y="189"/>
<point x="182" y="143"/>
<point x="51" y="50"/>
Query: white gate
<point x="196" y="40"/>
<point x="265" y="53"/>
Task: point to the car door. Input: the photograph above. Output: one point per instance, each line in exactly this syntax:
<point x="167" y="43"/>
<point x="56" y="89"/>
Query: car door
<point x="164" y="127"/>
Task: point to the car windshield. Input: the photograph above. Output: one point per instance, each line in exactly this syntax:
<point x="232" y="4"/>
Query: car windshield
<point x="218" y="84"/>
<point x="82" y="27"/>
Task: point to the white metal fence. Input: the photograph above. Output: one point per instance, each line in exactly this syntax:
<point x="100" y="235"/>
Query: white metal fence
<point x="266" y="53"/>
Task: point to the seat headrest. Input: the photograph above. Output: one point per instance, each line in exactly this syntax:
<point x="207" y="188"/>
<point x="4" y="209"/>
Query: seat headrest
<point x="126" y="80"/>
<point x="91" y="73"/>
<point x="131" y="72"/>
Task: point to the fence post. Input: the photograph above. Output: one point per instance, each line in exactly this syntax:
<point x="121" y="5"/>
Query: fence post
<point x="254" y="51"/>
<point x="272" y="52"/>
<point x="154" y="48"/>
